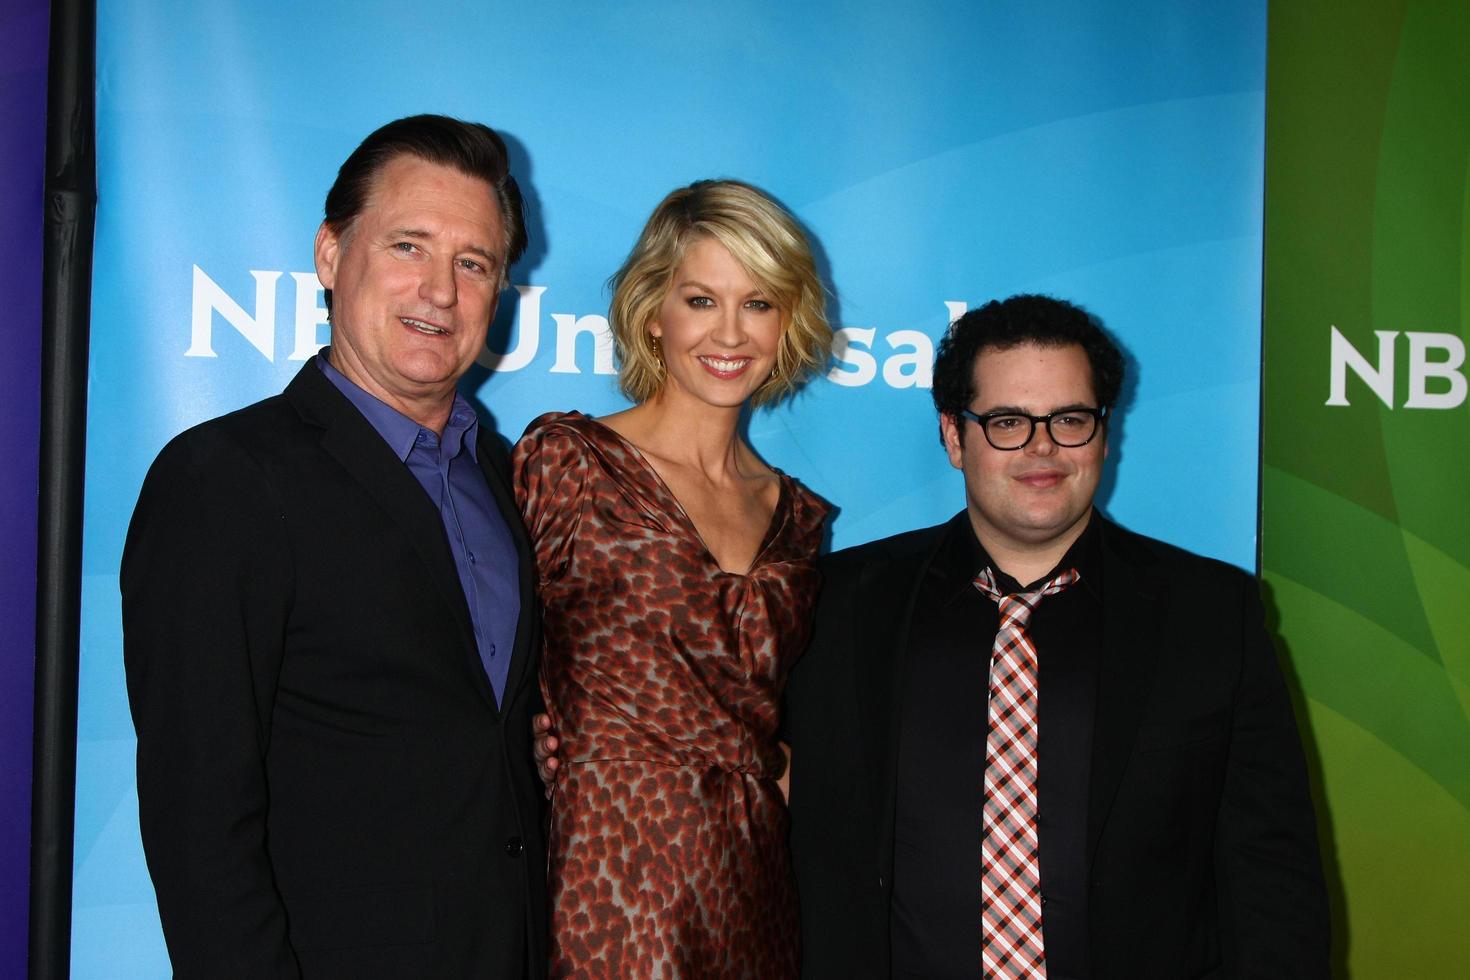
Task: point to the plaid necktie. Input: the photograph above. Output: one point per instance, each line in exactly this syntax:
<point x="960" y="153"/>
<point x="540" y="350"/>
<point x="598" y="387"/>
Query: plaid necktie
<point x="1010" y="884"/>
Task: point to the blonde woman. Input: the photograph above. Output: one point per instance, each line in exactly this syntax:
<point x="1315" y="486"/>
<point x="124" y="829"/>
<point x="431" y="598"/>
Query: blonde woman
<point x="678" y="574"/>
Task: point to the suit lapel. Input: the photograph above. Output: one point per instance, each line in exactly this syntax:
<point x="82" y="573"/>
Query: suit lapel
<point x="350" y="439"/>
<point x="523" y="652"/>
<point x="1134" y="602"/>
<point x="886" y="596"/>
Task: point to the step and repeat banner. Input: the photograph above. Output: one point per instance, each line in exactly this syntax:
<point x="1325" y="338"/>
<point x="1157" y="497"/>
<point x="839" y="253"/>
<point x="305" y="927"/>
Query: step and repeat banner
<point x="1365" y="538"/>
<point x="941" y="154"/>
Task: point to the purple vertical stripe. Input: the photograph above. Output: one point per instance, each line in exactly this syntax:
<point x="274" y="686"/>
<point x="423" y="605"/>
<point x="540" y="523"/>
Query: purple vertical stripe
<point x="23" y="24"/>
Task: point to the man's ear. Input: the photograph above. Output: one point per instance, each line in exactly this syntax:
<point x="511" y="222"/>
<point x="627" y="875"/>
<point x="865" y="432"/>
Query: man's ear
<point x="325" y="251"/>
<point x="949" y="434"/>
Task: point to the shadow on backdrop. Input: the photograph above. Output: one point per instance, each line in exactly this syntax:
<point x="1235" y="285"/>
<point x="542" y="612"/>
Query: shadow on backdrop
<point x="823" y="262"/>
<point x="537" y="247"/>
<point x="1326" y="839"/>
<point x="1127" y="395"/>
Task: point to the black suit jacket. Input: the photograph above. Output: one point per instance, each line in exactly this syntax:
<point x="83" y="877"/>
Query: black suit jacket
<point x="326" y="786"/>
<point x="1202" y="845"/>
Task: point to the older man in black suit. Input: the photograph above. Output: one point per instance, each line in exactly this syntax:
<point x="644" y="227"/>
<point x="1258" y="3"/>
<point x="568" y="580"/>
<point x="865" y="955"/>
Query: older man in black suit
<point x="1029" y="743"/>
<point x="329" y="624"/>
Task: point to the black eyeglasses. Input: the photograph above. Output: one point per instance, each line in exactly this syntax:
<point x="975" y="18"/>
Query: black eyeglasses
<point x="1068" y="428"/>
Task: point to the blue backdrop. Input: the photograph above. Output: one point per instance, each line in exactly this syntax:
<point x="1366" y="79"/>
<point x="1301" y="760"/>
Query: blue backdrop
<point x="1109" y="153"/>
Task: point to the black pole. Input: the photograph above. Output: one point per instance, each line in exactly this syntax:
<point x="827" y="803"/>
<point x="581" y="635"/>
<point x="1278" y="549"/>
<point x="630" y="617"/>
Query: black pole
<point x="71" y="202"/>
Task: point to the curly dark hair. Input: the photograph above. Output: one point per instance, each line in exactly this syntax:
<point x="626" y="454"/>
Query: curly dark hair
<point x="1024" y="319"/>
<point x="473" y="149"/>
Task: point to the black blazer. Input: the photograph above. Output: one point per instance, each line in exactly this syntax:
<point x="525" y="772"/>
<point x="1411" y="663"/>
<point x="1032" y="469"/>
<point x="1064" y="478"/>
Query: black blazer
<point x="1202" y="844"/>
<point x="325" y="784"/>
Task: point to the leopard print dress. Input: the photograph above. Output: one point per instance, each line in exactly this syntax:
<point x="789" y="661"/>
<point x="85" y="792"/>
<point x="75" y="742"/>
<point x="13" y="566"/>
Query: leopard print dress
<point x="663" y="675"/>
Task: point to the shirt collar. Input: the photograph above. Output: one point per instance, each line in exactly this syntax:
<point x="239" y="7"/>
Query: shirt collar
<point x="962" y="557"/>
<point x="398" y="430"/>
<point x="463" y="428"/>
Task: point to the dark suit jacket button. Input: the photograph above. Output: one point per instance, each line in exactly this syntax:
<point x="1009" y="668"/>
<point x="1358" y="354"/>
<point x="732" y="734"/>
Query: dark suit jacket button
<point x="514" y="847"/>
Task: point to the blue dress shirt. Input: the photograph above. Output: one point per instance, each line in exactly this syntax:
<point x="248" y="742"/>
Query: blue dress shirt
<point x="484" y="554"/>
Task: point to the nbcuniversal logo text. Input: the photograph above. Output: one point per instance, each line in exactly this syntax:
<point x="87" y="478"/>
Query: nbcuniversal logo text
<point x="903" y="359"/>
<point x="1442" y="373"/>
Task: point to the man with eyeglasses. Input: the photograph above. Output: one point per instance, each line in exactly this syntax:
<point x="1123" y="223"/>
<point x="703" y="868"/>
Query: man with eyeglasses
<point x="1030" y="743"/>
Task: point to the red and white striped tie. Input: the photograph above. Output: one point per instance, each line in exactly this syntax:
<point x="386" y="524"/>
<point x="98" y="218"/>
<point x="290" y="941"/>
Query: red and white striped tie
<point x="1010" y="884"/>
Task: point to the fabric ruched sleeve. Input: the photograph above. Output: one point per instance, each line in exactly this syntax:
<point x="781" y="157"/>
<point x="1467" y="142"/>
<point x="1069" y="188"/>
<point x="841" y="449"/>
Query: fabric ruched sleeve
<point x="550" y="470"/>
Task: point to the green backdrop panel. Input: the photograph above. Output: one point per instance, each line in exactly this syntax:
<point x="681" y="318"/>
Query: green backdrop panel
<point x="1365" y="543"/>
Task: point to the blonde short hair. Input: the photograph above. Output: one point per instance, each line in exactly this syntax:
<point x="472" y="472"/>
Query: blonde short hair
<point x="768" y="244"/>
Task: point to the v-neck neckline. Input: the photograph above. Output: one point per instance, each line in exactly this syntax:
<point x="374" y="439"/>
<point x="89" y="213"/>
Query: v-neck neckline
<point x="663" y="488"/>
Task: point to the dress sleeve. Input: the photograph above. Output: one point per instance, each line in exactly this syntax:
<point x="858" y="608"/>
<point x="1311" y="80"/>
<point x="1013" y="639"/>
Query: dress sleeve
<point x="810" y="513"/>
<point x="550" y="471"/>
